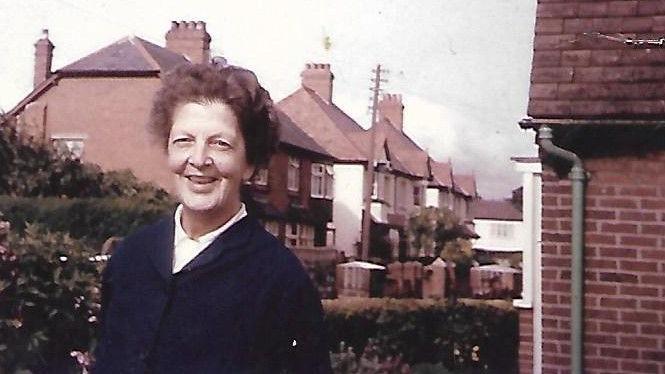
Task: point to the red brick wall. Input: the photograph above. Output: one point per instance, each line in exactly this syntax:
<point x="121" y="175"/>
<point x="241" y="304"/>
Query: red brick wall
<point x="625" y="267"/>
<point x="112" y="113"/>
<point x="526" y="341"/>
<point x="584" y="76"/>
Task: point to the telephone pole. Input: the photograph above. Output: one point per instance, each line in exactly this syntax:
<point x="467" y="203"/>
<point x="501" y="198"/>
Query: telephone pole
<point x="369" y="171"/>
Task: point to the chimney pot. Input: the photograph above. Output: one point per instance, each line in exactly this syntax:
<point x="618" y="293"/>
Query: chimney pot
<point x="190" y="39"/>
<point x="317" y="77"/>
<point x="391" y="108"/>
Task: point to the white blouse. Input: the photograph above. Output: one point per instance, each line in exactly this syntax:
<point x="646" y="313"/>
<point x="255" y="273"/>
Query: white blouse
<point x="186" y="248"/>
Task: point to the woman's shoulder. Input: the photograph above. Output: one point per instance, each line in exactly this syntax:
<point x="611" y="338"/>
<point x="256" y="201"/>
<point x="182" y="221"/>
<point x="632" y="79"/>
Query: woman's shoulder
<point x="283" y="262"/>
<point x="143" y="237"/>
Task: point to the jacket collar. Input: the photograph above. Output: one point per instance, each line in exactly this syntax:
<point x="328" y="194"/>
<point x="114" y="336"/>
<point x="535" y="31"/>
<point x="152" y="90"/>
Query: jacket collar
<point x="231" y="245"/>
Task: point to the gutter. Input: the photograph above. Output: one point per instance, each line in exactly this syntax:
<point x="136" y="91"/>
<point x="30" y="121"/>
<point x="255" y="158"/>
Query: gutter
<point x="577" y="176"/>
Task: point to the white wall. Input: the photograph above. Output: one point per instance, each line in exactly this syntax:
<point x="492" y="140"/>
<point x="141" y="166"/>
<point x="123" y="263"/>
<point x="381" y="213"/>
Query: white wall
<point x="347" y="206"/>
<point x="432" y="197"/>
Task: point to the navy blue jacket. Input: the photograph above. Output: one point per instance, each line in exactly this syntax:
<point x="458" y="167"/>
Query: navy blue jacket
<point x="243" y="305"/>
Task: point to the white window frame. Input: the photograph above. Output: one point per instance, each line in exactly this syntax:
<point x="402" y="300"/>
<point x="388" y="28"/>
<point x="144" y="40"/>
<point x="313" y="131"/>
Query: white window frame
<point x="291" y="237"/>
<point x="330" y="181"/>
<point x="293" y="174"/>
<point x="318" y="183"/>
<point x="66" y="142"/>
<point x="305" y="235"/>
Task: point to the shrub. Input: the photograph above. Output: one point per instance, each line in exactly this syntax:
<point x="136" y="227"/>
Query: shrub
<point x="48" y="300"/>
<point x="35" y="169"/>
<point x="470" y="335"/>
<point x="91" y="219"/>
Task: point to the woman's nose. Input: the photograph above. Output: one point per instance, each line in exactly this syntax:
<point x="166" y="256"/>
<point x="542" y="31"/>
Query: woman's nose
<point x="200" y="156"/>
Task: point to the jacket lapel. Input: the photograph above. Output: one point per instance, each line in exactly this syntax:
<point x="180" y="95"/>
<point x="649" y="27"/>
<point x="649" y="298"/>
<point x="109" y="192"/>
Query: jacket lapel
<point x="232" y="244"/>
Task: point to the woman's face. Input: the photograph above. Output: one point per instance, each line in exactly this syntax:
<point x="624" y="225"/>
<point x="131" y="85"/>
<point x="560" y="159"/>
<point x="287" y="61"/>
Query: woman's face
<point x="206" y="154"/>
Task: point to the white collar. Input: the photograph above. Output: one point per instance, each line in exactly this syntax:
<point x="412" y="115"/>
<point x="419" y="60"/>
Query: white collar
<point x="209" y="237"/>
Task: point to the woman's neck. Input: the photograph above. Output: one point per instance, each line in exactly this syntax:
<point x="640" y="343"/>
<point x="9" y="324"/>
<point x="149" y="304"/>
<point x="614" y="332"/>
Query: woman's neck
<point x="197" y="223"/>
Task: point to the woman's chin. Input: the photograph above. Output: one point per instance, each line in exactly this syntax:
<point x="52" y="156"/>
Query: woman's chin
<point x="201" y="203"/>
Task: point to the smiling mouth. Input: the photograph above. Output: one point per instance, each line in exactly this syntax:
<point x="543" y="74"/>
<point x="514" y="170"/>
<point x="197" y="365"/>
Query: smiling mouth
<point x="200" y="179"/>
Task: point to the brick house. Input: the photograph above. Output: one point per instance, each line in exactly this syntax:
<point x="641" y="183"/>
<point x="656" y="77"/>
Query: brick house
<point x="405" y="176"/>
<point x="598" y="91"/>
<point x="97" y="107"/>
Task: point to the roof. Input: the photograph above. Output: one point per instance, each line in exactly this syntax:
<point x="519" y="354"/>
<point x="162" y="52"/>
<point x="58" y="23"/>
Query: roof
<point x="292" y="135"/>
<point x="495" y="209"/>
<point x="442" y="173"/>
<point x="325" y="123"/>
<point x="130" y="54"/>
<point x="465" y="184"/>
<point x="403" y="149"/>
<point x="594" y="67"/>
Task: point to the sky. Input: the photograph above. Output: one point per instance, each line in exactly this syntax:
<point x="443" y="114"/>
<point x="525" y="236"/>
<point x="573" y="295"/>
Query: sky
<point x="462" y="66"/>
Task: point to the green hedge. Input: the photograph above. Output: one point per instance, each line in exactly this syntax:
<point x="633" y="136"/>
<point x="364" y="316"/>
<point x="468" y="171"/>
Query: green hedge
<point x="49" y="297"/>
<point x="92" y="219"/>
<point x="469" y="335"/>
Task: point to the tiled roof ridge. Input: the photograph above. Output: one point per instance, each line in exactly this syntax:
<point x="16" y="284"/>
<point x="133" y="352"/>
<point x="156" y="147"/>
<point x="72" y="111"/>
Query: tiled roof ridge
<point x="141" y="47"/>
<point x="90" y="55"/>
<point x="319" y="101"/>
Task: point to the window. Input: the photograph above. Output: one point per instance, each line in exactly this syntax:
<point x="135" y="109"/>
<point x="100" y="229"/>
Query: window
<point x="318" y="180"/>
<point x="69" y="146"/>
<point x="417" y="192"/>
<point x="292" y="234"/>
<point x="502" y="230"/>
<point x="306" y="235"/>
<point x="376" y="187"/>
<point x="322" y="181"/>
<point x="330" y="178"/>
<point x="387" y="190"/>
<point x="293" y="183"/>
<point x="261" y="177"/>
<point x="402" y="194"/>
<point x="299" y="235"/>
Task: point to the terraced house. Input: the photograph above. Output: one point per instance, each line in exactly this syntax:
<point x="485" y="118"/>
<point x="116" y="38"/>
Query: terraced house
<point x="406" y="178"/>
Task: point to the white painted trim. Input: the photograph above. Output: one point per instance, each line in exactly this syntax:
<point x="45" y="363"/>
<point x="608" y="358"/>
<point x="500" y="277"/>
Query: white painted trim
<point x="532" y="255"/>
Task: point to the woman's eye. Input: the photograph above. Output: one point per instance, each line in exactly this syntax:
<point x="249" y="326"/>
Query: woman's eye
<point x="219" y="143"/>
<point x="181" y="140"/>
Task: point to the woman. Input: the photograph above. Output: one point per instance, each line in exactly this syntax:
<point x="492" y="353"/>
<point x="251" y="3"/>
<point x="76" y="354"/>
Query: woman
<point x="208" y="290"/>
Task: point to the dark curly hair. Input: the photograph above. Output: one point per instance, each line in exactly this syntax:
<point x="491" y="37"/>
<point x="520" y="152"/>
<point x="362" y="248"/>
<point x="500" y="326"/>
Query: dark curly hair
<point x="234" y="86"/>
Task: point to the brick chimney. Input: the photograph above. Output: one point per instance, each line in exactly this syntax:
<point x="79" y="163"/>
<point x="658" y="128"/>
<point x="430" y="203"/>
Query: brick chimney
<point x="318" y="78"/>
<point x="43" y="58"/>
<point x="392" y="109"/>
<point x="190" y="39"/>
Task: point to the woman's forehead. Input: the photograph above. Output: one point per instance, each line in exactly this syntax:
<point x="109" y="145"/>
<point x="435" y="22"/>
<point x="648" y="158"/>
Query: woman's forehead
<point x="207" y="117"/>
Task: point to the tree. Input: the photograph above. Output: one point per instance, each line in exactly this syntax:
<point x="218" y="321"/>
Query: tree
<point x="438" y="232"/>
